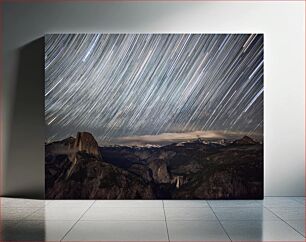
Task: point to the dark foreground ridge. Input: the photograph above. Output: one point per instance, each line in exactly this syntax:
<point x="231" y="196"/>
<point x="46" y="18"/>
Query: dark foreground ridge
<point x="77" y="168"/>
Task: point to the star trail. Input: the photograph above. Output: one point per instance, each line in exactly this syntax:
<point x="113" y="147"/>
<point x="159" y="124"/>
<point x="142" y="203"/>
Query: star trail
<point x="127" y="85"/>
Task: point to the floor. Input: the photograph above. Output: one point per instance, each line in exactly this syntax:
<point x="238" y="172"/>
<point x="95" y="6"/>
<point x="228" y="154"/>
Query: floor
<point x="273" y="219"/>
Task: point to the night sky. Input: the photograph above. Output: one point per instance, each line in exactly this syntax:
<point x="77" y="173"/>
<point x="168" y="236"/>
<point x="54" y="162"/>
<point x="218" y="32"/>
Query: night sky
<point x="153" y="88"/>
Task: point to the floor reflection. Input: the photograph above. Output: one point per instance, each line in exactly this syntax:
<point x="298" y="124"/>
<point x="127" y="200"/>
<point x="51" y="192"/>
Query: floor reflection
<point x="274" y="219"/>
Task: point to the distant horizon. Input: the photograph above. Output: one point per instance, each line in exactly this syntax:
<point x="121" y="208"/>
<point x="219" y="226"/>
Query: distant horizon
<point x="169" y="138"/>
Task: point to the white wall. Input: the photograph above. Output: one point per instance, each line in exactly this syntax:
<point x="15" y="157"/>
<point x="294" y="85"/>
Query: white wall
<point x="283" y="26"/>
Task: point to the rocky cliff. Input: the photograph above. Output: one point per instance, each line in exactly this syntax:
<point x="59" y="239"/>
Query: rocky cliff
<point x="77" y="168"/>
<point x="85" y="142"/>
<point x="91" y="178"/>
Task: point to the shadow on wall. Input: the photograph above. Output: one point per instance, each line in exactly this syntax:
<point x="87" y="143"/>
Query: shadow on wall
<point x="28" y="230"/>
<point x="25" y="157"/>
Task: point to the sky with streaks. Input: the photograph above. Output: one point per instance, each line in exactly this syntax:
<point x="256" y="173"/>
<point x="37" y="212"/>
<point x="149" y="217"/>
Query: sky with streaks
<point x="123" y="86"/>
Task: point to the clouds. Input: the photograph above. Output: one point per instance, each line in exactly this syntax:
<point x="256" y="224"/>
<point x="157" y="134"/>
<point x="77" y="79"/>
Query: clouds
<point x="167" y="138"/>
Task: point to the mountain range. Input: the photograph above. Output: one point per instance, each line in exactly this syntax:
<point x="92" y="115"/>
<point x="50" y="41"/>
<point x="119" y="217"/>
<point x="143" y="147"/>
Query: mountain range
<point x="78" y="168"/>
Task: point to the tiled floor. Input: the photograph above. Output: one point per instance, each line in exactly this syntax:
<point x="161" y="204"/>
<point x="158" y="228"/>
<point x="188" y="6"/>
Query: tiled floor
<point x="274" y="219"/>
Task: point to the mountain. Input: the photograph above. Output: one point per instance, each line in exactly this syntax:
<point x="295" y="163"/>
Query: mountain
<point x="90" y="178"/>
<point x="246" y="140"/>
<point x="75" y="170"/>
<point x="85" y="142"/>
<point x="79" y="168"/>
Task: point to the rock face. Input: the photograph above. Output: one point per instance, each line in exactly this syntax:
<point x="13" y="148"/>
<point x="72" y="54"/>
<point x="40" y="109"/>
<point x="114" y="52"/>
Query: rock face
<point x="160" y="171"/>
<point x="85" y="142"/>
<point x="77" y="168"/>
<point x="60" y="147"/>
<point x="90" y="178"/>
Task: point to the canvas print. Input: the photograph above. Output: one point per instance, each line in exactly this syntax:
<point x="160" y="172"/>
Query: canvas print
<point x="154" y="116"/>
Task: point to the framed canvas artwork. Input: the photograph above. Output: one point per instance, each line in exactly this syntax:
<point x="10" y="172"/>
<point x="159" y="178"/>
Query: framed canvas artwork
<point x="154" y="116"/>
